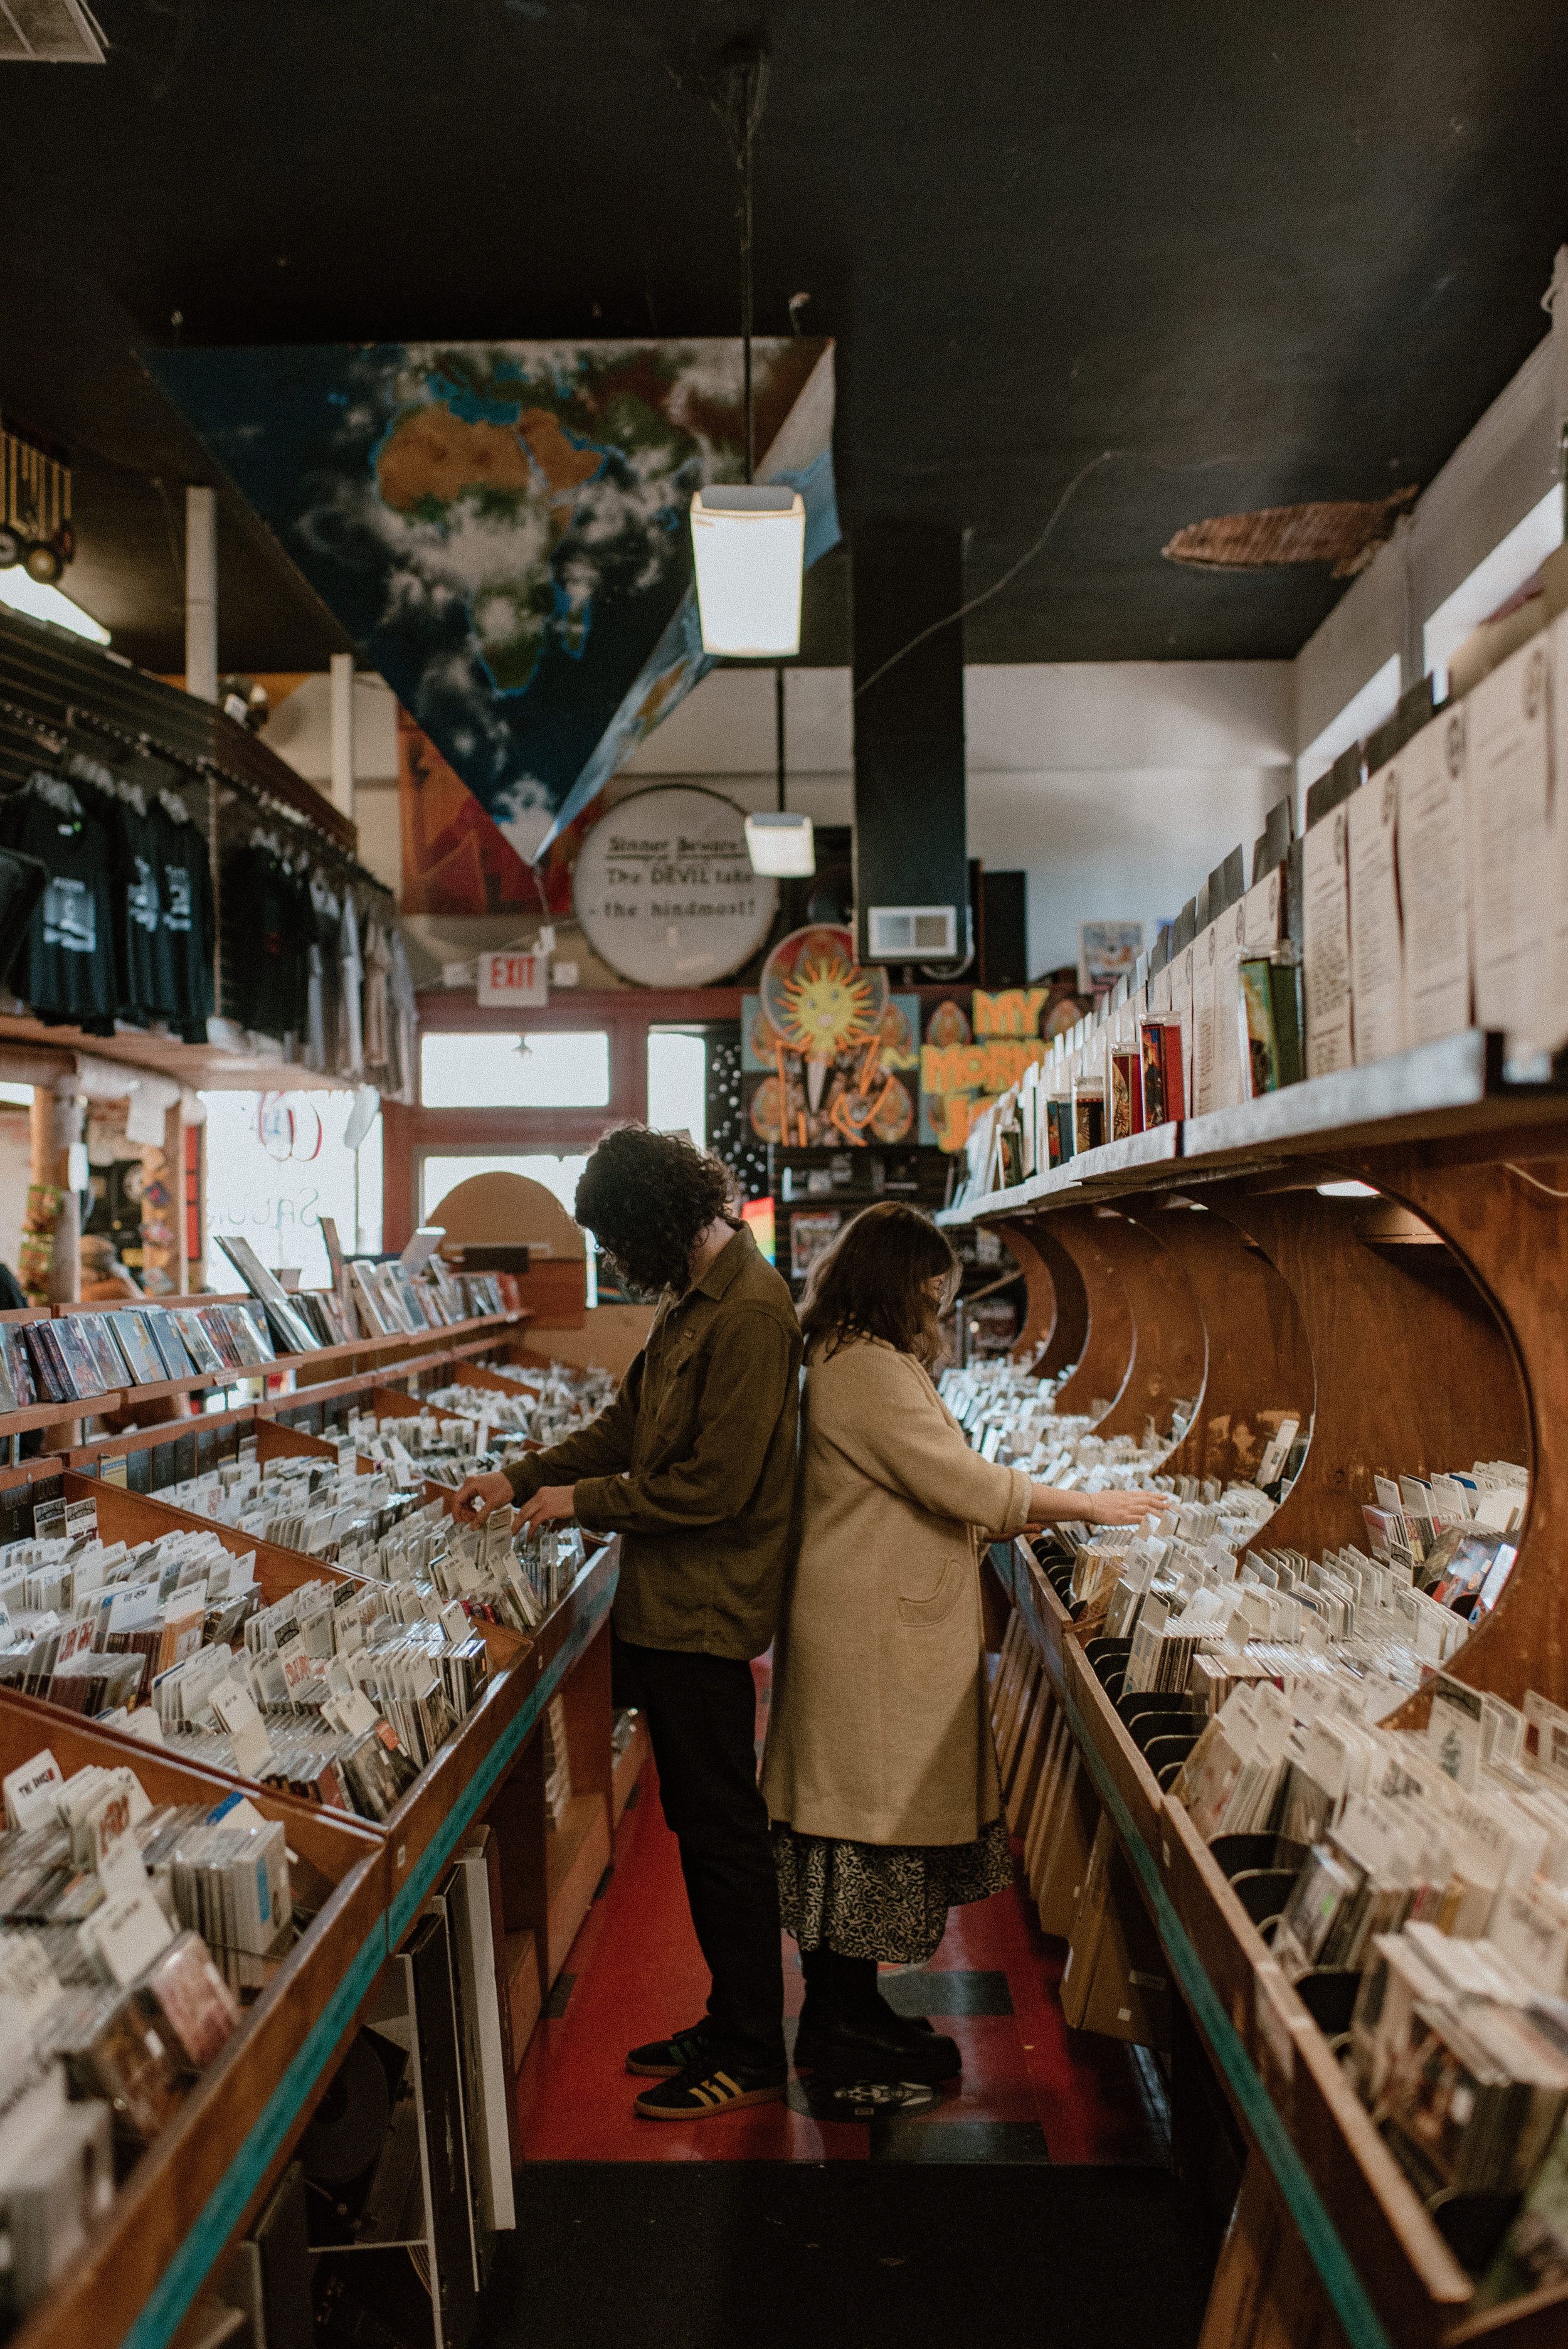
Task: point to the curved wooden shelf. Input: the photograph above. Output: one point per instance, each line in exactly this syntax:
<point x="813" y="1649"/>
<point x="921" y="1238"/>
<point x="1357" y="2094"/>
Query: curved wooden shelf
<point x="1101" y="1369"/>
<point x="1413" y="1370"/>
<point x="1058" y="1304"/>
<point x="1508" y="1223"/>
<point x="1418" y="1330"/>
<point x="1261" y="1361"/>
<point x="1170" y="1345"/>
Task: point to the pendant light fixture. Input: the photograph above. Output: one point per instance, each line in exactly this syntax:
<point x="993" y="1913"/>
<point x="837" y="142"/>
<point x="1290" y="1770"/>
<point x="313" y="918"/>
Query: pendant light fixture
<point x="749" y="539"/>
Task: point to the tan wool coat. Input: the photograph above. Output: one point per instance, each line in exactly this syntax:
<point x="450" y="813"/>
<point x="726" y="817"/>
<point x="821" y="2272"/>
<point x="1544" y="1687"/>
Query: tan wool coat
<point x="878" y="1730"/>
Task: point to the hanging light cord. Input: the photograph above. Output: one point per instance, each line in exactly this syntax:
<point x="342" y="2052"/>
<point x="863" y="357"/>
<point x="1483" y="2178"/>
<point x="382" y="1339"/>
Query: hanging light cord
<point x="737" y="101"/>
<point x="996" y="584"/>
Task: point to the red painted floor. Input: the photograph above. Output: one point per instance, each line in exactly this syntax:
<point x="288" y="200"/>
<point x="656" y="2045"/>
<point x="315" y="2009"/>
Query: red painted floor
<point x="635" y="1972"/>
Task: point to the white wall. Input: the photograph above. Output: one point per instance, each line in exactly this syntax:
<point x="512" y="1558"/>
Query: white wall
<point x="1501" y="470"/>
<point x="1117" y="785"/>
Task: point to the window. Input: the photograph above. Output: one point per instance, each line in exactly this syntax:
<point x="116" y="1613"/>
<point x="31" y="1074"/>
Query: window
<point x="558" y="1175"/>
<point x="678" y="1083"/>
<point x="1510" y="563"/>
<point x="277" y="1162"/>
<point x="548" y="1070"/>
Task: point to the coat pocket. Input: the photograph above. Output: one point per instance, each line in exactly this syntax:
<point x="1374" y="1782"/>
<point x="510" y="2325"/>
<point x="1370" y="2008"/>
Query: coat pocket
<point x="936" y="1606"/>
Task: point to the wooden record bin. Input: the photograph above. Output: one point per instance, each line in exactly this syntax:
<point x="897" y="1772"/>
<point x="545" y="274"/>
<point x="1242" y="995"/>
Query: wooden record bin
<point x="491" y="1771"/>
<point x="193" y="2187"/>
<point x="1382" y="1255"/>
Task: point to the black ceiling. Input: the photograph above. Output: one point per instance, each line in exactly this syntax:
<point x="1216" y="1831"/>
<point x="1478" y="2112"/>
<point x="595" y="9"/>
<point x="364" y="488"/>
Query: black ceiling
<point x="1269" y="251"/>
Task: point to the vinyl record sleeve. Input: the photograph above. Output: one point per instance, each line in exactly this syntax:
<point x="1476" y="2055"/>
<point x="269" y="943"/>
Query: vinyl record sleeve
<point x="164" y="1329"/>
<point x="200" y="1335"/>
<point x="93" y="1329"/>
<point x="19" y="1364"/>
<point x="135" y="1341"/>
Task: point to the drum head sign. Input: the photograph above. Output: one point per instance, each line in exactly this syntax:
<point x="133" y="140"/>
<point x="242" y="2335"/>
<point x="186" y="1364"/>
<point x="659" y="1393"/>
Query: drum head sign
<point x="665" y="891"/>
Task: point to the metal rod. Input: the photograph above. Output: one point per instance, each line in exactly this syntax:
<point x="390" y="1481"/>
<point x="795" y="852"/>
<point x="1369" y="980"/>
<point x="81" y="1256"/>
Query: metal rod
<point x="749" y="124"/>
<point x="779" y="729"/>
<point x="200" y="593"/>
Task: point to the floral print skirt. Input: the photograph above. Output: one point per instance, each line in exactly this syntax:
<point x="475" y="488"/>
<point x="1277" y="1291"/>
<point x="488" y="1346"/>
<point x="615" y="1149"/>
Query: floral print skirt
<point x="887" y="1902"/>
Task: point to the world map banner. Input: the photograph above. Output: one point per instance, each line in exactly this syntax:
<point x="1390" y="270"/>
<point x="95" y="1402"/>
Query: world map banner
<point x="501" y="528"/>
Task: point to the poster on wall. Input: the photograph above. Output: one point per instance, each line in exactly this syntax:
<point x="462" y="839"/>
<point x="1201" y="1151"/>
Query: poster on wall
<point x="663" y="889"/>
<point x="829" y="1059"/>
<point x="1106" y="952"/>
<point x="456" y="858"/>
<point x="501" y="526"/>
<point x="970" y="1057"/>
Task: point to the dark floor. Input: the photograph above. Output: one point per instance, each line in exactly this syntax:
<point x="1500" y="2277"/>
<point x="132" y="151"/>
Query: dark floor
<point x="834" y="2255"/>
<point x="1033" y="2202"/>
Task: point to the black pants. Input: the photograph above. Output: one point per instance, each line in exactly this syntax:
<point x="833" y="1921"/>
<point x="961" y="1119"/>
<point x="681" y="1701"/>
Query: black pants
<point x="701" y="1712"/>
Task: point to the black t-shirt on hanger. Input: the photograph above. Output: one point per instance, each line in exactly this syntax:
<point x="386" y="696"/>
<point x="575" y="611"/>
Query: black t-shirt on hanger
<point x="267" y="923"/>
<point x="65" y="970"/>
<point x="186" y="928"/>
<point x="144" y="985"/>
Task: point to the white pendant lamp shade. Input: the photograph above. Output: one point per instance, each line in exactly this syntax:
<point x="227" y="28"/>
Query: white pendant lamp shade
<point x="782" y="847"/>
<point x="749" y="542"/>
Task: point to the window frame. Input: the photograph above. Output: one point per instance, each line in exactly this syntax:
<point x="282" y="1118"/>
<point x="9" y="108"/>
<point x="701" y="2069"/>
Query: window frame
<point x="412" y="1133"/>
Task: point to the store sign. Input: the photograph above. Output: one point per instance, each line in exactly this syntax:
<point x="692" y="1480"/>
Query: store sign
<point x="505" y="979"/>
<point x="665" y="891"/>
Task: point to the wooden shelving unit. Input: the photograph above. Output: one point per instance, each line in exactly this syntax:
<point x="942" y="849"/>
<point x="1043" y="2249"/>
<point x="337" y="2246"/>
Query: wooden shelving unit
<point x="490" y="1770"/>
<point x="191" y="2188"/>
<point x="329" y="1370"/>
<point x="1415" y="1331"/>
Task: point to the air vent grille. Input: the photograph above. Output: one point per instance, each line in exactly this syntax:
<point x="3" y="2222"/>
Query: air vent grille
<point x="913" y="931"/>
<point x="49" y="32"/>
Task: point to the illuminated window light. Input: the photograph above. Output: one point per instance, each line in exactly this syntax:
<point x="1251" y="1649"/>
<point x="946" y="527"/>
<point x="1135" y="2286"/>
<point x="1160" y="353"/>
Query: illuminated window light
<point x="1346" y="1191"/>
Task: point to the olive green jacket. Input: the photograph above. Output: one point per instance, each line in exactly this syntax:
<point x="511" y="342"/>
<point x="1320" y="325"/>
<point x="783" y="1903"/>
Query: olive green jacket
<point x="694" y="1463"/>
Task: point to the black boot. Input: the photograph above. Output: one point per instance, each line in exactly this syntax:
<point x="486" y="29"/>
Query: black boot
<point x="847" y="2030"/>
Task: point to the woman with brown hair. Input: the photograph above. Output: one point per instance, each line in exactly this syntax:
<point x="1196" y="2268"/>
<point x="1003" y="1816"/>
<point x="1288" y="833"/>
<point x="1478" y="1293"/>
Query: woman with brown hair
<point x="880" y="1774"/>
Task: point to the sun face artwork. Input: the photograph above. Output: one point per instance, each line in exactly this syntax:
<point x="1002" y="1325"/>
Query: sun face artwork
<point x="831" y="1040"/>
<point x="817" y="996"/>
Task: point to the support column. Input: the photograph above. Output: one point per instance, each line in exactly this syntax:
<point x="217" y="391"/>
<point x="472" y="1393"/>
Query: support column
<point x="343" y="733"/>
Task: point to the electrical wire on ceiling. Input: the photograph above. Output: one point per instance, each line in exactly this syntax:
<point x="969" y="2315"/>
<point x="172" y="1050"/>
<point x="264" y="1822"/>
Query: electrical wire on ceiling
<point x="996" y="585"/>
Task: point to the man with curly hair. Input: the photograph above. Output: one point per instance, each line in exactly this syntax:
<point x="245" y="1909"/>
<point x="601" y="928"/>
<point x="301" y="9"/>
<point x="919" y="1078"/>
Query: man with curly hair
<point x="693" y="1465"/>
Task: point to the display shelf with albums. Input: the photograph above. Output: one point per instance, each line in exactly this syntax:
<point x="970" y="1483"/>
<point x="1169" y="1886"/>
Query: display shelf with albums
<point x="528" y="1783"/>
<point x="73" y="1363"/>
<point x="166" y="2041"/>
<point x="1367" y="1484"/>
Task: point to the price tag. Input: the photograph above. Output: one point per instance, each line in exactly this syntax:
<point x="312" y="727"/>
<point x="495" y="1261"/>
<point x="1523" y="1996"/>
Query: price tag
<point x="129" y="1932"/>
<point x="30" y="1791"/>
<point x="26" y="1975"/>
<point x="236" y="1708"/>
<point x="356" y="1712"/>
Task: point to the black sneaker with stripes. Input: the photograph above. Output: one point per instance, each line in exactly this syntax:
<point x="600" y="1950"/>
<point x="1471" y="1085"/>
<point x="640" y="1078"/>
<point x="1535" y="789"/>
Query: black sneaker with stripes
<point x="660" y="2059"/>
<point x="708" y="2088"/>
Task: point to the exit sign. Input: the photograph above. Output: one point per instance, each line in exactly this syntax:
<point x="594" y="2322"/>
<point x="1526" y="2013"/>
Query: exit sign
<point x="507" y="978"/>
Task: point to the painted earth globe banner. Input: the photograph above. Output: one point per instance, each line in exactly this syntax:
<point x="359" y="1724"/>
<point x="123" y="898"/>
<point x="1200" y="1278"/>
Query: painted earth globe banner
<point x="502" y="527"/>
